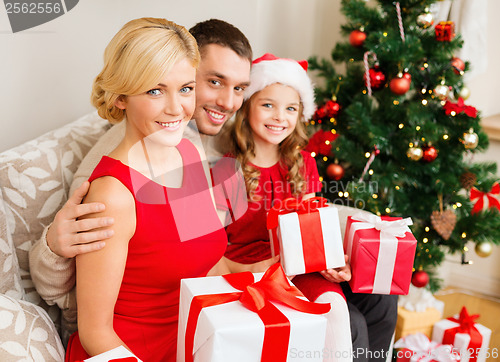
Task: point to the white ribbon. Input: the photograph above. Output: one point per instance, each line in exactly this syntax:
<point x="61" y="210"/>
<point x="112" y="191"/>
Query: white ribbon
<point x="389" y="232"/>
<point x="426" y="350"/>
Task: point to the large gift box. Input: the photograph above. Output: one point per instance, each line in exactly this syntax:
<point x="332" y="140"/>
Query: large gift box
<point x="381" y="251"/>
<point x="469" y="338"/>
<point x="234" y="318"/>
<point x="411" y="322"/>
<point x="418" y="348"/>
<point x="306" y="235"/>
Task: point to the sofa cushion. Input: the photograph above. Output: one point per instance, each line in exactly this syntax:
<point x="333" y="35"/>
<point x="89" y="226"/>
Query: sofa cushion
<point x="27" y="333"/>
<point x="10" y="278"/>
<point x="34" y="180"/>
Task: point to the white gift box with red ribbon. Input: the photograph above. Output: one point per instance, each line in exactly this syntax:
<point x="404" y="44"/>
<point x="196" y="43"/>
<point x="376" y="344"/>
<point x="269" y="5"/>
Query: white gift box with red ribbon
<point x="230" y="332"/>
<point x="308" y="239"/>
<point x="469" y="338"/>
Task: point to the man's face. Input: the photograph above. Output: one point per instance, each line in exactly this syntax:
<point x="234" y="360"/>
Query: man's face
<point x="221" y="79"/>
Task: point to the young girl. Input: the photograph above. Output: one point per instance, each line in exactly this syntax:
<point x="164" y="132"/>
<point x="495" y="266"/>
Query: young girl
<point x="128" y="292"/>
<point x="267" y="138"/>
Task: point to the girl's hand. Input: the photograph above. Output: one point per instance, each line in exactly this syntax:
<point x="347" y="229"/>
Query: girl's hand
<point x="338" y="275"/>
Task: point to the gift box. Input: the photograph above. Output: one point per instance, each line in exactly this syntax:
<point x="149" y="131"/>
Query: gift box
<point x="381" y="253"/>
<point x="412" y="322"/>
<point x="306" y="235"/>
<point x="418" y="348"/>
<point x="445" y="31"/>
<point x="233" y="318"/>
<point x="469" y="338"/>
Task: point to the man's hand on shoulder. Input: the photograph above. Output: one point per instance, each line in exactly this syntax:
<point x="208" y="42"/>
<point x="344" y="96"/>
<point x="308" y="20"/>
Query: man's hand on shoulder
<point x="68" y="236"/>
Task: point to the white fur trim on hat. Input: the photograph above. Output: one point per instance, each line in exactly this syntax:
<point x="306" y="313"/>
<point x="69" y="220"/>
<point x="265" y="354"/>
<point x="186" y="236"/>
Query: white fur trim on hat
<point x="287" y="72"/>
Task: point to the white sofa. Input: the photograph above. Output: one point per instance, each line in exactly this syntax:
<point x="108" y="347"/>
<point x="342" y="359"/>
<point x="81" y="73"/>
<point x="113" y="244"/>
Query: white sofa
<point x="34" y="181"/>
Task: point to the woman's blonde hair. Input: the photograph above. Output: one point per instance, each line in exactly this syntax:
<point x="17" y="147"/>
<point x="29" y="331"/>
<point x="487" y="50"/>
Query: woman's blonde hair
<point x="240" y="144"/>
<point x="137" y="57"/>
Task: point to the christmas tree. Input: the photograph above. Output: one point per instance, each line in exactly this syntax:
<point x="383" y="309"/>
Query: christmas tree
<point x="393" y="135"/>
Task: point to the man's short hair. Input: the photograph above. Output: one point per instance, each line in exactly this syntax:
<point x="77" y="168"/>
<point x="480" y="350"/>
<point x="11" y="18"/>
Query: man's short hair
<point x="215" y="31"/>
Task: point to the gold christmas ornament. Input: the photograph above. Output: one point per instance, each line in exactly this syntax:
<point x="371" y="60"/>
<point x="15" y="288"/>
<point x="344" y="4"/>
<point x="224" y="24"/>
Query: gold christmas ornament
<point x="470" y="139"/>
<point x="425" y="20"/>
<point x="464" y="93"/>
<point x="484" y="249"/>
<point x="414" y="153"/>
<point x="442" y="91"/>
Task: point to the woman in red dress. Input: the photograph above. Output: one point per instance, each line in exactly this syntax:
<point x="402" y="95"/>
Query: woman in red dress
<point x="154" y="186"/>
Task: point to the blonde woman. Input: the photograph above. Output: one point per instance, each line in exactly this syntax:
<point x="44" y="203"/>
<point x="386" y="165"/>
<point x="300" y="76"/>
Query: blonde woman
<point x="128" y="292"/>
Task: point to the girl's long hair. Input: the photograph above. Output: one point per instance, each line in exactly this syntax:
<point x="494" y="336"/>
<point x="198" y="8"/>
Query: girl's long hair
<point x="240" y="144"/>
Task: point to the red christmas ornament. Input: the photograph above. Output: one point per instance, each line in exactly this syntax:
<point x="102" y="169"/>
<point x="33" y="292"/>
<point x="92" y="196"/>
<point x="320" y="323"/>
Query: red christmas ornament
<point x="357" y="38"/>
<point x="377" y="78"/>
<point x="320" y="113"/>
<point x="332" y="108"/>
<point x="420" y="279"/>
<point x="430" y="153"/>
<point x="458" y="65"/>
<point x="335" y="172"/>
<point x="401" y="84"/>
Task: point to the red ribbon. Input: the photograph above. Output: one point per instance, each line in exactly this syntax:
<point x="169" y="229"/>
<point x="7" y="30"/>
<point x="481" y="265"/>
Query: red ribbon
<point x="312" y="237"/>
<point x="480" y="196"/>
<point x="256" y="296"/>
<point x="466" y="325"/>
<point x="459" y="107"/>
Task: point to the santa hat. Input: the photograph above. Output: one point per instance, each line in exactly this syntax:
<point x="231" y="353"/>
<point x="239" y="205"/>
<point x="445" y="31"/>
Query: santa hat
<point x="268" y="69"/>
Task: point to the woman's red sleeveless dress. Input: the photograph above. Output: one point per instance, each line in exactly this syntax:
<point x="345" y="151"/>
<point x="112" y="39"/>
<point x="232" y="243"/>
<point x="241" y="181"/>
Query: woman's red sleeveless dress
<point x="178" y="235"/>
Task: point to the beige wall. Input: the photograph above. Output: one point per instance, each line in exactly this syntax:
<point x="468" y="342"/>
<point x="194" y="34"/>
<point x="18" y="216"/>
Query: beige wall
<point x="46" y="72"/>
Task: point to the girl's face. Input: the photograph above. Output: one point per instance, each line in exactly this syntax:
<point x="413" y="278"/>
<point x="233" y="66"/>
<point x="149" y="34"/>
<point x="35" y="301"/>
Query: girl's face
<point x="273" y="114"/>
<point x="164" y="110"/>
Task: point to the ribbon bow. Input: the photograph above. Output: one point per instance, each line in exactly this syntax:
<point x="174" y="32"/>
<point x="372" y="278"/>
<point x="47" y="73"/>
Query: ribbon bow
<point x="459" y="107"/>
<point x="394" y="228"/>
<point x="480" y="197"/>
<point x="424" y="350"/>
<point x="465" y="325"/>
<point x="256" y="296"/>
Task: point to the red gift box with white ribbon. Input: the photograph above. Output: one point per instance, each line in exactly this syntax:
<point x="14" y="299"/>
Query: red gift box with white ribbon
<point x="445" y="31"/>
<point x="306" y="235"/>
<point x="469" y="338"/>
<point x="418" y="348"/>
<point x="248" y="317"/>
<point x="381" y="251"/>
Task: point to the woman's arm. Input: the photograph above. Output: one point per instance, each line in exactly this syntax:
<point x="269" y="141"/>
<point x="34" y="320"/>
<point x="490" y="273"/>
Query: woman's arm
<point x="99" y="274"/>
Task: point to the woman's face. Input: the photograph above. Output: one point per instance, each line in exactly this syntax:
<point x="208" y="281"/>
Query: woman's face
<point x="164" y="110"/>
<point x="273" y="113"/>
